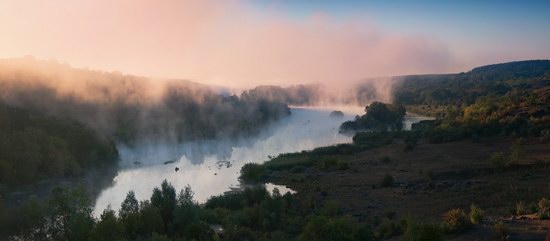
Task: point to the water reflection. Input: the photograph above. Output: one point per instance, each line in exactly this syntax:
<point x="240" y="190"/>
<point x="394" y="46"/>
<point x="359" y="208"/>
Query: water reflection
<point x="212" y="167"/>
<point x="143" y="168"/>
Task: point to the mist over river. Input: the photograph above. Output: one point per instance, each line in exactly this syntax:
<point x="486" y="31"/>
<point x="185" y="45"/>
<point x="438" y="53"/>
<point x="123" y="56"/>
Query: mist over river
<point x="212" y="167"/>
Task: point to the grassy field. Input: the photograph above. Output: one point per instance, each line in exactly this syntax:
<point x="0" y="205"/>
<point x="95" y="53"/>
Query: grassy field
<point x="430" y="180"/>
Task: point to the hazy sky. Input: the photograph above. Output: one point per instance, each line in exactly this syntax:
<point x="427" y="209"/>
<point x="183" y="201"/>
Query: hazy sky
<point x="243" y="43"/>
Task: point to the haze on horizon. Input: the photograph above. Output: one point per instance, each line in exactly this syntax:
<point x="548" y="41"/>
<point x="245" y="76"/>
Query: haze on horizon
<point x="242" y="43"/>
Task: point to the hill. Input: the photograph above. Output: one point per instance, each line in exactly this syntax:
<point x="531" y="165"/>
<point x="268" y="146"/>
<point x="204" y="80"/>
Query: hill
<point x="130" y="108"/>
<point x="465" y="88"/>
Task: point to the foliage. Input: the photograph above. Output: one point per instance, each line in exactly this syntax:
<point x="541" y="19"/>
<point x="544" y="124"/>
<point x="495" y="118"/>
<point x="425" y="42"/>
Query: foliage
<point x="390" y="228"/>
<point x="544" y="208"/>
<point x="34" y="147"/>
<point x="334" y="164"/>
<point x="520" y="208"/>
<point x="498" y="160"/>
<point x="422" y="232"/>
<point x="517" y="151"/>
<point x="476" y="214"/>
<point x="491" y="80"/>
<point x="334" y="229"/>
<point x="455" y="221"/>
<point x="482" y="102"/>
<point x="379" y="117"/>
<point x="127" y="109"/>
<point x="252" y="173"/>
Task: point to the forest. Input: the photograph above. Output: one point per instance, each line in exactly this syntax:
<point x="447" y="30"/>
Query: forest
<point x="128" y="108"/>
<point x="35" y="147"/>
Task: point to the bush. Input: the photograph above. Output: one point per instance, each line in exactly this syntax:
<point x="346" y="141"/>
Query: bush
<point x="476" y="214"/>
<point x="544" y="208"/>
<point x="455" y="221"/>
<point x="298" y="169"/>
<point x="389" y="228"/>
<point x="517" y="152"/>
<point x="321" y="228"/>
<point x="520" y="208"/>
<point x="545" y="135"/>
<point x="422" y="232"/>
<point x="334" y="164"/>
<point x="331" y="209"/>
<point x="498" y="160"/>
<point x="252" y="172"/>
<point x="387" y="181"/>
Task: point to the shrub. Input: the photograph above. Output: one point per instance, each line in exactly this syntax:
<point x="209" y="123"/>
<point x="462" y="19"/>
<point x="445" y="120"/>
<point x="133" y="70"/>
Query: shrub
<point x="455" y="221"/>
<point x="321" y="228"/>
<point x="476" y="214"/>
<point x="544" y="208"/>
<point x="517" y="152"/>
<point x="389" y="228"/>
<point x="520" y="208"/>
<point x="386" y="159"/>
<point x="331" y="209"/>
<point x="498" y="160"/>
<point x="334" y="164"/>
<point x="387" y="181"/>
<point x="252" y="172"/>
<point x="545" y="135"/>
<point x="422" y="232"/>
<point x="298" y="169"/>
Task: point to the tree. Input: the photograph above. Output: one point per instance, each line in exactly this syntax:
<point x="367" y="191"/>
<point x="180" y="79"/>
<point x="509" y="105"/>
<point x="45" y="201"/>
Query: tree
<point x="70" y="215"/>
<point x="129" y="214"/>
<point x="150" y="219"/>
<point x="165" y="200"/>
<point x="108" y="228"/>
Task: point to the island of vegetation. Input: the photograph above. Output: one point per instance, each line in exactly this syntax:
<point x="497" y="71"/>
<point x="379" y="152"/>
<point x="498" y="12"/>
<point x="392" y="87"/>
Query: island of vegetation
<point x="378" y="117"/>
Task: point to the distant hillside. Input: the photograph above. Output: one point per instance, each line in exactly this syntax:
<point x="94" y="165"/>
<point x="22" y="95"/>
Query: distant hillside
<point x="436" y="89"/>
<point x="465" y="88"/>
<point x="502" y="99"/>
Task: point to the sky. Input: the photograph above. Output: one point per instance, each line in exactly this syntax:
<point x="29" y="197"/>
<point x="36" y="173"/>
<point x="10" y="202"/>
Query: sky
<point x="244" y="43"/>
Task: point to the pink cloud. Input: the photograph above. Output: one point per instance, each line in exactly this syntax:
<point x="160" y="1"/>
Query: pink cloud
<point x="222" y="42"/>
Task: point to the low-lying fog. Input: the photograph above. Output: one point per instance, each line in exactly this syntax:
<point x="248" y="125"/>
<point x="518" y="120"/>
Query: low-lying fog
<point x="212" y="167"/>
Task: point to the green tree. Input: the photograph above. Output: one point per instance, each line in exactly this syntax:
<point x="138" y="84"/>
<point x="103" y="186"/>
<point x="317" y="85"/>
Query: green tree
<point x="150" y="219"/>
<point x="129" y="214"/>
<point x="165" y="200"/>
<point x="108" y="227"/>
<point x="70" y="215"/>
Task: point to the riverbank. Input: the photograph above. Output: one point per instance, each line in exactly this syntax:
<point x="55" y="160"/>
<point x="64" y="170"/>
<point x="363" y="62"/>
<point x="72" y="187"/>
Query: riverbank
<point x="428" y="181"/>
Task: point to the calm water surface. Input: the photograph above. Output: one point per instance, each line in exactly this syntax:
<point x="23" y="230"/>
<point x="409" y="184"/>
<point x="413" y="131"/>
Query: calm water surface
<point x="212" y="167"/>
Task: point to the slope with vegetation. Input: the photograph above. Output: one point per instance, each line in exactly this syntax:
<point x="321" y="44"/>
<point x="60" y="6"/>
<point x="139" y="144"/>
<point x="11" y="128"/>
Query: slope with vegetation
<point x="129" y="108"/>
<point x="35" y="147"/>
<point x="464" y="174"/>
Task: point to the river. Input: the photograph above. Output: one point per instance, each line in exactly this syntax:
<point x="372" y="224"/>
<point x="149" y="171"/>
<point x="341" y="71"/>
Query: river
<point x="212" y="167"/>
